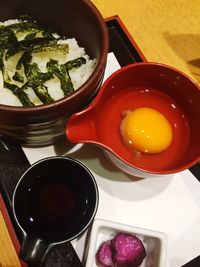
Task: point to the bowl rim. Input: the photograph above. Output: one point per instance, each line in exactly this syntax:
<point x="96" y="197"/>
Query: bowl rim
<point x="98" y="70"/>
<point x="122" y="69"/>
<point x="151" y="63"/>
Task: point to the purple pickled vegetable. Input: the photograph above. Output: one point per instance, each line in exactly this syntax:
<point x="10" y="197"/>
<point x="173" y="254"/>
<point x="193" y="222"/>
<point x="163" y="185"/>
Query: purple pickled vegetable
<point x="128" y="250"/>
<point x="104" y="255"/>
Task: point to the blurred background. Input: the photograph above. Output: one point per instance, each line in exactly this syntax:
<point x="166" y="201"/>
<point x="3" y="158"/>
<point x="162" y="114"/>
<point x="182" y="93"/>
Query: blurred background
<point x="166" y="31"/>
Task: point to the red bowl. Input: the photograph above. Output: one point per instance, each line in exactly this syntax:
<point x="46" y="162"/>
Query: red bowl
<point x="152" y="85"/>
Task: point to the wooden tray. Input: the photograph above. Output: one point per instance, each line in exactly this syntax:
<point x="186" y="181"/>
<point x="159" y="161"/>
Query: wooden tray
<point x="14" y="162"/>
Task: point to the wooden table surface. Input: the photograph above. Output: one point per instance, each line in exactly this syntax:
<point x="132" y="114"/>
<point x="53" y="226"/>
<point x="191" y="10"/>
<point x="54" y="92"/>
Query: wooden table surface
<point x="166" y="31"/>
<point x="8" y="255"/>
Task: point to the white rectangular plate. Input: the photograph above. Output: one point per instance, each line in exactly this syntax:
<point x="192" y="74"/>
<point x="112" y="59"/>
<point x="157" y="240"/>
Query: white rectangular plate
<point x="168" y="204"/>
<point x="153" y="241"/>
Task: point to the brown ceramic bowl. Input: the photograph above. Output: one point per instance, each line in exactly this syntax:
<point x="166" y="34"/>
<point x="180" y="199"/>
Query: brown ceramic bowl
<point x="44" y="124"/>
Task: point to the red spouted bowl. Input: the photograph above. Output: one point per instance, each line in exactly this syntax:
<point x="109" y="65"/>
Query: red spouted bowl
<point x="151" y="85"/>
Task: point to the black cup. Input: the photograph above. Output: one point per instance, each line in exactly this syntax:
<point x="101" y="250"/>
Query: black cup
<point x="54" y="202"/>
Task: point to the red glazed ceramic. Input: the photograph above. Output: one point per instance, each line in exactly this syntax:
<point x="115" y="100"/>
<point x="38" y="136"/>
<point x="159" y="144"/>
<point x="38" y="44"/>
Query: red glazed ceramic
<point x="151" y="85"/>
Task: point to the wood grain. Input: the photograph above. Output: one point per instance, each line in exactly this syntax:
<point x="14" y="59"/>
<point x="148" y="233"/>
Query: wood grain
<point x="8" y="255"/>
<point x="166" y="31"/>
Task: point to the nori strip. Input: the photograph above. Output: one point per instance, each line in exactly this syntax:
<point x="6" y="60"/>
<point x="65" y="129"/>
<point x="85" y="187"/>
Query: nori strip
<point x="60" y="71"/>
<point x="28" y="45"/>
<point x="36" y="40"/>
<point x="25" y="58"/>
<point x="18" y="77"/>
<point x="76" y="63"/>
<point x="36" y="80"/>
<point x="19" y="92"/>
<point x="8" y="40"/>
<point x="42" y="93"/>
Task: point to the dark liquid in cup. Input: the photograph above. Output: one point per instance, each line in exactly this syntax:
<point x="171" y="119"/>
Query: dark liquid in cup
<point x="52" y="206"/>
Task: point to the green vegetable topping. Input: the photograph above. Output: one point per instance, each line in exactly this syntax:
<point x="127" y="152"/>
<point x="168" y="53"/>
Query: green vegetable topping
<point x="76" y="63"/>
<point x="22" y="96"/>
<point x="21" y="42"/>
<point x="61" y="72"/>
<point x="18" y="77"/>
<point x="36" y="80"/>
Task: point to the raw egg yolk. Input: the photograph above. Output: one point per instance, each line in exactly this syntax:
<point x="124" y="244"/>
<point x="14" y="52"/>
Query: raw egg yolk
<point x="146" y="130"/>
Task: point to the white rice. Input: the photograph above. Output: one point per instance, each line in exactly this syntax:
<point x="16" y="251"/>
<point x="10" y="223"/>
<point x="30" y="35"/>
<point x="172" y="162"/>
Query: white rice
<point x="78" y="75"/>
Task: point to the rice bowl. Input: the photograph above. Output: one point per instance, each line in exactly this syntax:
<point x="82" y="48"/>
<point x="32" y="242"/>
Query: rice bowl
<point x="77" y="75"/>
<point x="42" y="125"/>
